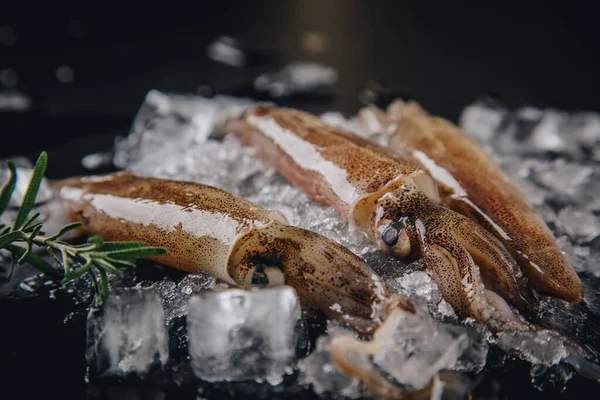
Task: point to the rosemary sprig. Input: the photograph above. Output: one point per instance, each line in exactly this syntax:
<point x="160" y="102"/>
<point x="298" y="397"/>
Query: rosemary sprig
<point x="96" y="258"/>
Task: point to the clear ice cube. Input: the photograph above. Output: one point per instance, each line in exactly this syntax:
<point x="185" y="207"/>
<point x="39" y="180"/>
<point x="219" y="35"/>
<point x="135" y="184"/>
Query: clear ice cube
<point x="481" y="120"/>
<point x="562" y="177"/>
<point x="175" y="296"/>
<point x="421" y="347"/>
<point x="239" y="334"/>
<point x="297" y="77"/>
<point x="127" y="334"/>
<point x="94" y="161"/>
<point x="579" y="225"/>
<point x="325" y="378"/>
<point x="543" y="347"/>
<point x="227" y="50"/>
<point x="411" y="280"/>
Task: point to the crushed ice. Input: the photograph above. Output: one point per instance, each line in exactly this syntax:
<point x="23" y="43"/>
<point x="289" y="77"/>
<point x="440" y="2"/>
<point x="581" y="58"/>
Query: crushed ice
<point x="296" y="78"/>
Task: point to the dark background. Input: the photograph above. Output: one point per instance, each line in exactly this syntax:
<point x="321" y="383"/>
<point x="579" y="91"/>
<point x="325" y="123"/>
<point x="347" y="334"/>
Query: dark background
<point x="443" y="54"/>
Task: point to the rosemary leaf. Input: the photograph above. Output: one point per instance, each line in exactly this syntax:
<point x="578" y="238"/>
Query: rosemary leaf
<point x="104" y="265"/>
<point x="96" y="240"/>
<point x="11" y="268"/>
<point x="110" y="246"/>
<point x="121" y="263"/>
<point x="34" y="260"/>
<point x="98" y="298"/>
<point x="32" y="190"/>
<point x="32" y="228"/>
<point x="104" y="283"/>
<point x="131" y="254"/>
<point x="8" y="188"/>
<point x="36" y="229"/>
<point x="65" y="260"/>
<point x="30" y="220"/>
<point x="10" y="237"/>
<point x="52" y="253"/>
<point x="26" y="254"/>
<point x="65" y="229"/>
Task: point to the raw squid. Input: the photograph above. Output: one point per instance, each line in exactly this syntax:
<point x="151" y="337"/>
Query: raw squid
<point x="396" y="202"/>
<point x="472" y="184"/>
<point x="206" y="229"/>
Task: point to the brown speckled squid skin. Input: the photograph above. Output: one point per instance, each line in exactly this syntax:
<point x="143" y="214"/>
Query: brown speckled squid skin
<point x="369" y="185"/>
<point x="206" y="229"/>
<point x="489" y="195"/>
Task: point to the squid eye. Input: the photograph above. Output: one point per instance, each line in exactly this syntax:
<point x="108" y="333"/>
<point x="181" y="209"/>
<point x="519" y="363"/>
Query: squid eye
<point x="394" y="240"/>
<point x="391" y="233"/>
<point x="264" y="275"/>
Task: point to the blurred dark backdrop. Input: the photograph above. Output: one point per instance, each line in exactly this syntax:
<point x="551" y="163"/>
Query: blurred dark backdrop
<point x="88" y="67"/>
<point x="443" y="54"/>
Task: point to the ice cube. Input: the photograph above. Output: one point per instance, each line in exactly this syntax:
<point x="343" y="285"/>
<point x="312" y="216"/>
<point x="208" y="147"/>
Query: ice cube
<point x="175" y="296"/>
<point x="547" y="135"/>
<point x="227" y="50"/>
<point x="482" y="119"/>
<point x="412" y="281"/>
<point x="585" y="126"/>
<point x="325" y="378"/>
<point x="419" y="348"/>
<point x="562" y="177"/>
<point x="297" y="77"/>
<point x="543" y="347"/>
<point x="591" y="264"/>
<point x="94" y="161"/>
<point x="576" y="255"/>
<point x="239" y="334"/>
<point x="127" y="334"/>
<point x="579" y="225"/>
